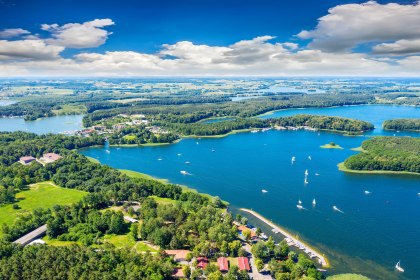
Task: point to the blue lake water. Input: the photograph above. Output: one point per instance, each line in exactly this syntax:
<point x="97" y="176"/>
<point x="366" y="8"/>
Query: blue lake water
<point x="373" y="233"/>
<point x="57" y="124"/>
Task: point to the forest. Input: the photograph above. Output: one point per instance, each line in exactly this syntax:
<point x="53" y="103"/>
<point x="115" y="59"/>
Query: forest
<point x="402" y="124"/>
<point x="387" y="154"/>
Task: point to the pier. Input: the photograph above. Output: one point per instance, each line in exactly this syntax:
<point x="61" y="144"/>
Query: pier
<point x="291" y="241"/>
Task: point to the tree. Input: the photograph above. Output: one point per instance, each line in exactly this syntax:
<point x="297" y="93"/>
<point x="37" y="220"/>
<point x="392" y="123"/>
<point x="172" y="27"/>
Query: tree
<point x="258" y="231"/>
<point x="259" y="264"/>
<point x="216" y="275"/>
<point x="260" y="250"/>
<point x="242" y="252"/>
<point x="134" y="231"/>
<point x="186" y="270"/>
<point x="247" y="235"/>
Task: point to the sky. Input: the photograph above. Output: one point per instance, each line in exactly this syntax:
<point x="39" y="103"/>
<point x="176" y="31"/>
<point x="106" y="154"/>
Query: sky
<point x="129" y="38"/>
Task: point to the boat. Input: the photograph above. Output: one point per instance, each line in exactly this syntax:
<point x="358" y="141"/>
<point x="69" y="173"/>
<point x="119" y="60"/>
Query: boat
<point x="187" y="162"/>
<point x="306" y="181"/>
<point x="178" y="154"/>
<point x="309" y="157"/>
<point x="293" y="159"/>
<point x="336" y="209"/>
<point x="159" y="159"/>
<point x="306" y="172"/>
<point x="398" y="267"/>
<point x="197" y="143"/>
<point x="213" y="150"/>
<point x="418" y="194"/>
<point x="254" y="131"/>
<point x="367" y="192"/>
<point x="183" y="172"/>
<point x="300" y="202"/>
<point x="314" y="202"/>
<point x="316" y="174"/>
<point x="264" y="191"/>
<point x="108" y="151"/>
<point x="299" y="206"/>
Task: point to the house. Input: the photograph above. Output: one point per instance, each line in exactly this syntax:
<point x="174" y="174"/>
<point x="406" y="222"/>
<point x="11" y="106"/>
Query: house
<point x="223" y="264"/>
<point x="118" y="126"/>
<point x="178" y="273"/>
<point x="50" y="157"/>
<point x="242" y="228"/>
<point x="202" y="262"/>
<point x="178" y="255"/>
<point x="26" y="160"/>
<point x="243" y="264"/>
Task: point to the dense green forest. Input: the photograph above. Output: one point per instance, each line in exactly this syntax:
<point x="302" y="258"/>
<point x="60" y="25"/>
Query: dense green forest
<point x="387" y="154"/>
<point x="79" y="262"/>
<point x="317" y="122"/>
<point x="402" y="124"/>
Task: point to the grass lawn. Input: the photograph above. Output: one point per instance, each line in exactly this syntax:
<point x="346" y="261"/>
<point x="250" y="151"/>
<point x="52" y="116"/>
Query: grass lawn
<point x="143" y="247"/>
<point x="135" y="174"/>
<point x="347" y="276"/>
<point x="55" y="242"/>
<point x="163" y="200"/>
<point x="40" y="195"/>
<point x="70" y="110"/>
<point x="119" y="241"/>
<point x="130" y="137"/>
<point x="91" y="159"/>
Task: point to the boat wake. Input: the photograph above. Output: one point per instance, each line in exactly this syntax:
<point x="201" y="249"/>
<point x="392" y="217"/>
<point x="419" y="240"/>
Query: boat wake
<point x="336" y="209"/>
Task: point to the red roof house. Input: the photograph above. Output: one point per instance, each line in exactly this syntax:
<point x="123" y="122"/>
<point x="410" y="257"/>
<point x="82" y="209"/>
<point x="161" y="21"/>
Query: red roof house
<point x="223" y="264"/>
<point x="50" y="157"/>
<point x="242" y="228"/>
<point x="26" y="160"/>
<point x="202" y="262"/>
<point x="243" y="264"/>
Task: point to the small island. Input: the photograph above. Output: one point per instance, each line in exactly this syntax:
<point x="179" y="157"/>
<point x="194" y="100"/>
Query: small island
<point x="388" y="155"/>
<point x="331" y="145"/>
<point x="402" y="124"/>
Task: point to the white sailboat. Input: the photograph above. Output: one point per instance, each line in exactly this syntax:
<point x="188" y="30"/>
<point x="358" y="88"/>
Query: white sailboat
<point x="316" y="174"/>
<point x="299" y="201"/>
<point x="187" y="162"/>
<point x="398" y="267"/>
<point x="299" y="206"/>
<point x="183" y="172"/>
<point x="264" y="191"/>
<point x="293" y="159"/>
<point x="306" y="172"/>
<point x="367" y="192"/>
<point x="309" y="157"/>
<point x="306" y="181"/>
<point x="314" y="202"/>
<point x="178" y="155"/>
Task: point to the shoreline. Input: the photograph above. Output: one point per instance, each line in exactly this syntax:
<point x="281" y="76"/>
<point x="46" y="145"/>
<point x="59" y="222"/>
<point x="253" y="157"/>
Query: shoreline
<point x="342" y="168"/>
<point x="322" y="259"/>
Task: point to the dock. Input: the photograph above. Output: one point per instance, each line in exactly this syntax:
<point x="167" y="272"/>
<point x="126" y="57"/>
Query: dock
<point x="28" y="238"/>
<point x="291" y="241"/>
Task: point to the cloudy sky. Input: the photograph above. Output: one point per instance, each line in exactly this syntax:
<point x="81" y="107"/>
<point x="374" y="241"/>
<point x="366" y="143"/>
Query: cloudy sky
<point x="209" y="38"/>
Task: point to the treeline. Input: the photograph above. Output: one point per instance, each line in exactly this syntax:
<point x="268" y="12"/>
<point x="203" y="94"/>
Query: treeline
<point x="313" y="121"/>
<point x="325" y="123"/>
<point x="402" y="124"/>
<point x="189" y="113"/>
<point x="387" y="154"/>
<point x="77" y="262"/>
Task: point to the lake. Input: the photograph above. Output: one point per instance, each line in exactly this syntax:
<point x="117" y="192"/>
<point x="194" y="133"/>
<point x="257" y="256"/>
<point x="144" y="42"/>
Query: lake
<point x="57" y="124"/>
<point x="370" y="236"/>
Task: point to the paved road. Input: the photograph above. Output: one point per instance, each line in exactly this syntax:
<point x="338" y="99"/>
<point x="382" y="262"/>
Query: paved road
<point x="255" y="274"/>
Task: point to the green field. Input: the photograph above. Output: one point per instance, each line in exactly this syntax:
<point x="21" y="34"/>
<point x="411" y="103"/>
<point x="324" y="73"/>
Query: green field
<point x="40" y="195"/>
<point x="134" y="174"/>
<point x="70" y="110"/>
<point x="347" y="276"/>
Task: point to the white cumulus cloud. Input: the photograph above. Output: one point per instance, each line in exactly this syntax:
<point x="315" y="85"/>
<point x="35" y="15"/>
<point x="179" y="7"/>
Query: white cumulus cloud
<point x="79" y="35"/>
<point x="13" y="32"/>
<point x="346" y="26"/>
<point x="28" y="49"/>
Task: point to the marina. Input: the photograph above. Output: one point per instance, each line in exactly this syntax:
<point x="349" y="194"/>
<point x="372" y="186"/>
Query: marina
<point x="291" y="240"/>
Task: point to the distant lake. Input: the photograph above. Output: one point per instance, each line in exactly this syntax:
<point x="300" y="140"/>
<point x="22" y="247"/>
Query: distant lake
<point x="57" y="124"/>
<point x="373" y="233"/>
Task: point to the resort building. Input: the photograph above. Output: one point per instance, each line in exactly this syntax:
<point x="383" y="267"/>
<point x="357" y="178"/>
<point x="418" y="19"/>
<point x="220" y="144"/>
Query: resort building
<point x="243" y="264"/>
<point x="26" y="160"/>
<point x="223" y="264"/>
<point x="178" y="255"/>
<point x="50" y="157"/>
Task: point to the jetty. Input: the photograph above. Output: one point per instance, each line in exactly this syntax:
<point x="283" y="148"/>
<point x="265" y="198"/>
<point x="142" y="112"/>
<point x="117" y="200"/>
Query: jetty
<point x="290" y="239"/>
